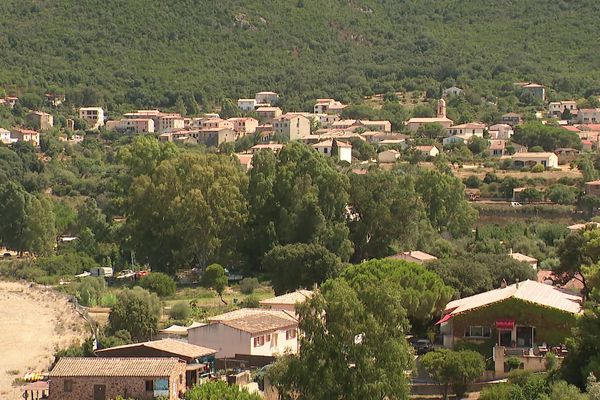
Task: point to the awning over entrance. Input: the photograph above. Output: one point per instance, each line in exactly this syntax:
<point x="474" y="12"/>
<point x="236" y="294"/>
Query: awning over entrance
<point x="505" y="324"/>
<point x="444" y="319"/>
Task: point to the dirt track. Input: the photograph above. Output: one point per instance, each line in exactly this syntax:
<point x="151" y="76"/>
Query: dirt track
<point x="34" y="322"/>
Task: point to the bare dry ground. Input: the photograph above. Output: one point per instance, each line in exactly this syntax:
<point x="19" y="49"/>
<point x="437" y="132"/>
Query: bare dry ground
<point x="34" y="322"/>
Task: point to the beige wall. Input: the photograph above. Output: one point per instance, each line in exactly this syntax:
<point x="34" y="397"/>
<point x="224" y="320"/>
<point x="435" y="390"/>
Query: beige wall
<point x="293" y="128"/>
<point x="230" y="341"/>
<point x="227" y="341"/>
<point x="530" y="363"/>
<point x="83" y="387"/>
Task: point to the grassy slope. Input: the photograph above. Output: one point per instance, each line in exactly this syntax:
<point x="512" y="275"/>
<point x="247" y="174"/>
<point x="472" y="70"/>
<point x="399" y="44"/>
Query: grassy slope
<point x="143" y="48"/>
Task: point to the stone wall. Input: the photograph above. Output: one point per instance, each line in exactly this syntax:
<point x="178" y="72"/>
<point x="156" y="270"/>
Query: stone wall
<point x="135" y="387"/>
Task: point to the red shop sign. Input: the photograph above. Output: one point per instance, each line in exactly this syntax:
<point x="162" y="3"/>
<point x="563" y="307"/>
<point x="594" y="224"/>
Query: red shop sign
<point x="505" y="324"/>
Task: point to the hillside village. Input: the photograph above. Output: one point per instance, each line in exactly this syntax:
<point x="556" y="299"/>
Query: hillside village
<point x="236" y="247"/>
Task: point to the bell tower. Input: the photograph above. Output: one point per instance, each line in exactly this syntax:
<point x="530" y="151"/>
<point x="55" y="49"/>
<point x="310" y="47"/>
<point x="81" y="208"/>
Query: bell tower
<point x="441" y="108"/>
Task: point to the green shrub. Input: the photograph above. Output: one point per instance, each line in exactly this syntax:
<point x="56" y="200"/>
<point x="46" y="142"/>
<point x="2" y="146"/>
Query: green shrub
<point x="90" y="290"/>
<point x="108" y="300"/>
<point x="159" y="283"/>
<point x="180" y="311"/>
<point x="247" y="285"/>
<point x="513" y="363"/>
<point x="537" y="168"/>
<point x="250" y="302"/>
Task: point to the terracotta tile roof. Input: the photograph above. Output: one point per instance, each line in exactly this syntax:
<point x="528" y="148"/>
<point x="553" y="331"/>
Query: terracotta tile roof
<point x="114" y="367"/>
<point x="329" y="143"/>
<point x="298" y="296"/>
<point x="523" y="257"/>
<point x="470" y="125"/>
<point x="256" y="320"/>
<point x="175" y="347"/>
<point x="418" y="255"/>
<point x="528" y="291"/>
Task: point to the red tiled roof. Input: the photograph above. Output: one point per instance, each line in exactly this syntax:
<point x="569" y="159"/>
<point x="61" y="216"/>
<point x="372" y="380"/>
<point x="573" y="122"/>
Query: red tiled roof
<point x="114" y="367"/>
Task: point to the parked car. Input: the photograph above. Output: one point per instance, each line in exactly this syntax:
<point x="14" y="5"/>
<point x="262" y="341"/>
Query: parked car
<point x="422" y="346"/>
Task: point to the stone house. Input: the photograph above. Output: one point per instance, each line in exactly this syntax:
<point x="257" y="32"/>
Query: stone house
<point x="99" y="378"/>
<point x="40" y="120"/>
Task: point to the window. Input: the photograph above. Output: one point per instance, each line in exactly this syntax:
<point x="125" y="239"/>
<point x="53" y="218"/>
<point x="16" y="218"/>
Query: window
<point x="274" y="341"/>
<point x="149" y="386"/>
<point x="290" y="334"/>
<point x="259" y="341"/>
<point x="479" y="331"/>
<point x="325" y="150"/>
<point x="268" y="338"/>
<point x="68" y="386"/>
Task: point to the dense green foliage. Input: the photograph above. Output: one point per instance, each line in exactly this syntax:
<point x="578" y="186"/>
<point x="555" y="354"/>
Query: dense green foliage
<point x="475" y="273"/>
<point x="215" y="278"/>
<point x="219" y="390"/>
<point x="159" y="283"/>
<point x="453" y="369"/>
<point x="423" y="293"/>
<point x="299" y="266"/>
<point x="303" y="49"/>
<point x="356" y="352"/>
<point x="136" y="311"/>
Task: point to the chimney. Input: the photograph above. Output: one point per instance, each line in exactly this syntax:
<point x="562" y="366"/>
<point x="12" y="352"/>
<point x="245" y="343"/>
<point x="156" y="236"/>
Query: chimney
<point x="503" y="284"/>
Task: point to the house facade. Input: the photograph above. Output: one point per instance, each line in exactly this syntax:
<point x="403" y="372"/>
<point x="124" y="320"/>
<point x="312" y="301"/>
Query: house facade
<point x="132" y="125"/>
<point x="99" y="378"/>
<point x="428" y="151"/>
<point x="324" y="106"/>
<point x="169" y="122"/>
<point x="248" y="331"/>
<point x="266" y="98"/>
<point x="244" y="126"/>
<point x="93" y="116"/>
<point x="536" y="90"/>
<point x="268" y="114"/>
<point x="5" y="137"/>
<point x="291" y="126"/>
<point x="589" y="116"/>
<point x="375" y="126"/>
<point x="557" y="108"/>
<point x="548" y="160"/>
<point x="331" y="147"/>
<point x="40" y="120"/>
<point x="200" y="361"/>
<point x="500" y="131"/>
<point x="470" y="129"/>
<point x="25" y="135"/>
<point x="512" y="119"/>
<point x="522" y="320"/>
<point x="247" y="104"/>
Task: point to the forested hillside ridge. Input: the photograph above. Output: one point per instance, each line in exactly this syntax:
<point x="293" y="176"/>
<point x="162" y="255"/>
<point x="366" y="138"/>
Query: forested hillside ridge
<point x="205" y="51"/>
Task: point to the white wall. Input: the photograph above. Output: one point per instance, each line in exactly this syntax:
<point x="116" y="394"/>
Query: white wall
<point x="283" y="345"/>
<point x="345" y="154"/>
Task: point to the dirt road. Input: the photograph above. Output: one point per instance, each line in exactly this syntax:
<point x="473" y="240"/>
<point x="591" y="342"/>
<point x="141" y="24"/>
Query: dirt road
<point x="34" y="322"/>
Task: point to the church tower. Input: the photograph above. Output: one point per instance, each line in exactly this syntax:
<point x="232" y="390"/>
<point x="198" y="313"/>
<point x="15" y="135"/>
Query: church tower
<point x="441" y="109"/>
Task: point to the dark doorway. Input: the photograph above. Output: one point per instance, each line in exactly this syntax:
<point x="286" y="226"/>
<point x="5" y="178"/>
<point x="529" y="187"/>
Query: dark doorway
<point x="99" y="392"/>
<point x="525" y="336"/>
<point x="505" y="338"/>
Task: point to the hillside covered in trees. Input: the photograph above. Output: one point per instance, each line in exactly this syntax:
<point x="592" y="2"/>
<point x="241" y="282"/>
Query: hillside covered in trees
<point x="150" y="52"/>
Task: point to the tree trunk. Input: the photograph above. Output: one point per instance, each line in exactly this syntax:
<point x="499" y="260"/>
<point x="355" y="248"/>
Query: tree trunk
<point x="221" y="296"/>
